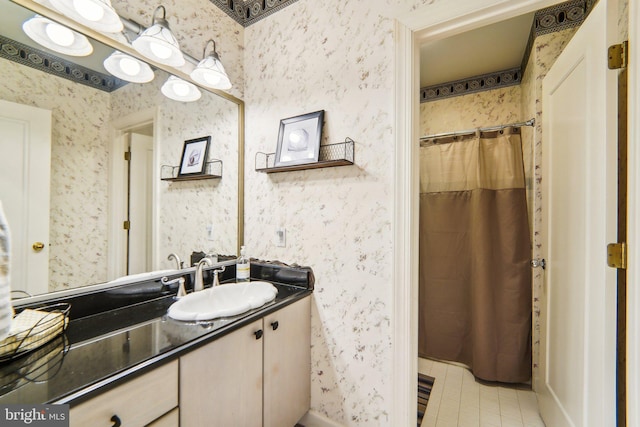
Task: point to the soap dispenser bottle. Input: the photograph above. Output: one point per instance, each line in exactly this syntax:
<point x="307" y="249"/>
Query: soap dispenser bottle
<point x="243" y="267"/>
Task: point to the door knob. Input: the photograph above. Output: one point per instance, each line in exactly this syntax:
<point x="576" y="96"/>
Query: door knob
<point x="38" y="246"/>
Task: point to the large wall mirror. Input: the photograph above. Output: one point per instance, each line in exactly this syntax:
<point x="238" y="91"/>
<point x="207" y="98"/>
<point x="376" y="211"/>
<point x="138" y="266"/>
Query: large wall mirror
<point x="88" y="190"/>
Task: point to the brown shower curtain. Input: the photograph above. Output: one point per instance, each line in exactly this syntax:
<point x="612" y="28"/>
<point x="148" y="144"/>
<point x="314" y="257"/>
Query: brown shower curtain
<point x="475" y="276"/>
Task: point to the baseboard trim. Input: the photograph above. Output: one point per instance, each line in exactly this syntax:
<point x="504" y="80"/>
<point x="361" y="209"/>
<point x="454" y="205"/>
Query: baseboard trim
<point x="314" y="419"/>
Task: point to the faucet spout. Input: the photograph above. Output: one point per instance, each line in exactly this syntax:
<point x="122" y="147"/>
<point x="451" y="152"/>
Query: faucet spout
<point x="175" y="257"/>
<point x="199" y="282"/>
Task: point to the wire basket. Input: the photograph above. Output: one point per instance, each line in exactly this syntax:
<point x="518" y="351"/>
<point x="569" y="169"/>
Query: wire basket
<point x="33" y="328"/>
<point x="338" y="154"/>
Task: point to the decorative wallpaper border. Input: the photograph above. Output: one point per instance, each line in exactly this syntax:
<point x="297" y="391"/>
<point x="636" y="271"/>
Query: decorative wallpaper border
<point x="247" y="12"/>
<point x="555" y="18"/>
<point x="475" y="84"/>
<point x="43" y="61"/>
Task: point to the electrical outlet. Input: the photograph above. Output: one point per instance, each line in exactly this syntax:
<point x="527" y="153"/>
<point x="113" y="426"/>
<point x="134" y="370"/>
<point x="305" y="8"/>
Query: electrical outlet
<point x="281" y="237"/>
<point x="210" y="232"/>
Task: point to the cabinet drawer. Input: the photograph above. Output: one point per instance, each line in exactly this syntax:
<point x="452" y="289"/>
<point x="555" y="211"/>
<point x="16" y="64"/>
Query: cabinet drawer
<point x="136" y="403"/>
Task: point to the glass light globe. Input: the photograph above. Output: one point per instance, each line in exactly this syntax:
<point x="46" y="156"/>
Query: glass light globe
<point x="211" y="79"/>
<point x="59" y="34"/>
<point x="130" y="66"/>
<point x="181" y="89"/>
<point x="88" y="10"/>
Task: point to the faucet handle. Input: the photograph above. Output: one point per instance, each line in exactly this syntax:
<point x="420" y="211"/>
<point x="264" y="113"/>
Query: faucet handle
<point x="216" y="282"/>
<point x="181" y="291"/>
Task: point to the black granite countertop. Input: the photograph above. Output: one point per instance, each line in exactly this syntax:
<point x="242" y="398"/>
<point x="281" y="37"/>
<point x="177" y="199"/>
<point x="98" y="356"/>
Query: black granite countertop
<point x="102" y="350"/>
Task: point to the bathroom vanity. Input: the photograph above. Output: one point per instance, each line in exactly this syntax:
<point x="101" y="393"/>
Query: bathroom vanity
<point x="134" y="366"/>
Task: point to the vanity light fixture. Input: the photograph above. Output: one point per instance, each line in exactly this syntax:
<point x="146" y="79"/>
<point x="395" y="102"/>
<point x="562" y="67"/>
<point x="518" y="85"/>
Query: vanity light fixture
<point x="128" y="68"/>
<point x="57" y="37"/>
<point x="210" y="72"/>
<point x="180" y="90"/>
<point x="158" y="42"/>
<point x="97" y="14"/>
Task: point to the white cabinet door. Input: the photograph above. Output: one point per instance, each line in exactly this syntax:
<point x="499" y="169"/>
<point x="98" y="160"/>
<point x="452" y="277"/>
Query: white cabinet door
<point x="221" y="382"/>
<point x="227" y="382"/>
<point x="287" y="364"/>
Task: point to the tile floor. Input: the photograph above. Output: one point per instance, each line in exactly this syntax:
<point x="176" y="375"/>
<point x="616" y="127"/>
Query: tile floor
<point x="457" y="400"/>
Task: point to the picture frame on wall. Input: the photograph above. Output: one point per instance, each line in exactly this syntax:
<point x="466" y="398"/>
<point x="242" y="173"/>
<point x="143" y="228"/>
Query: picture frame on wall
<point x="299" y="139"/>
<point x="194" y="156"/>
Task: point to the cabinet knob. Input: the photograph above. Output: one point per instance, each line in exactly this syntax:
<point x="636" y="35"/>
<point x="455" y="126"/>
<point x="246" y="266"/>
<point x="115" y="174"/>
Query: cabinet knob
<point x="258" y="334"/>
<point x="274" y="325"/>
<point x="116" y="421"/>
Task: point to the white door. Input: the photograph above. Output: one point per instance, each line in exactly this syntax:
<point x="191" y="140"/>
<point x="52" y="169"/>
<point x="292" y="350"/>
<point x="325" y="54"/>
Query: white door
<point x="140" y="198"/>
<point x="25" y="164"/>
<point x="579" y="198"/>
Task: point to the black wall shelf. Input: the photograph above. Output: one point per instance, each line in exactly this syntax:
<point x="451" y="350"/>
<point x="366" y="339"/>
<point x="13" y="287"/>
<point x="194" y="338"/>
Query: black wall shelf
<point x="212" y="170"/>
<point x="331" y="155"/>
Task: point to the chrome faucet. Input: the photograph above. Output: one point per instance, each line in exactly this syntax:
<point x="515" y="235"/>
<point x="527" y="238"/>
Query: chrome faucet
<point x="199" y="283"/>
<point x="177" y="259"/>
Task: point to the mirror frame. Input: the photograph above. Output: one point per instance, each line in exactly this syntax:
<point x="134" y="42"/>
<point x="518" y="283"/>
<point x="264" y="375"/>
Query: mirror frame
<point x="126" y="48"/>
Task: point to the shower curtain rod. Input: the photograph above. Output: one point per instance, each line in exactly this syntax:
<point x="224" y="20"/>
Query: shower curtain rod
<point x="529" y="122"/>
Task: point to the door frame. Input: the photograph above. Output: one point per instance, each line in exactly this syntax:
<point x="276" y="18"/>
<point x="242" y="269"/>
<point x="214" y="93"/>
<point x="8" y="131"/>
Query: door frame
<point x="633" y="227"/>
<point x="436" y="21"/>
<point x="118" y="185"/>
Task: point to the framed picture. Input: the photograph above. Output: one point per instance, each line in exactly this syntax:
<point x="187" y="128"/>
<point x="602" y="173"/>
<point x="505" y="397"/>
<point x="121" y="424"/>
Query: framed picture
<point x="194" y="156"/>
<point x="299" y="139"/>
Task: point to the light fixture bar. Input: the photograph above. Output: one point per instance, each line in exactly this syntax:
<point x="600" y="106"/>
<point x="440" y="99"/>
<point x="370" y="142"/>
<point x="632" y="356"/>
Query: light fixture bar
<point x="51" y="13"/>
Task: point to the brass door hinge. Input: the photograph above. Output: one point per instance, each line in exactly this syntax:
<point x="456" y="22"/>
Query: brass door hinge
<point x="126" y="225"/>
<point x="618" y="55"/>
<point x="617" y="255"/>
<point x="127" y="155"/>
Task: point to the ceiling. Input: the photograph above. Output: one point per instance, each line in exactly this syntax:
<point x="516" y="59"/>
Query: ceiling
<point x="496" y="47"/>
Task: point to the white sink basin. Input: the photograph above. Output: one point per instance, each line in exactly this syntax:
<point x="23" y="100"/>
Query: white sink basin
<point x="222" y="301"/>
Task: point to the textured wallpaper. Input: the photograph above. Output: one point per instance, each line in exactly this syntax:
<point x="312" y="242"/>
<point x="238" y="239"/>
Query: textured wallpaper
<point x="194" y="22"/>
<point x="489" y="108"/>
<point x="187" y="208"/>
<point x="79" y="161"/>
<point x="337" y="57"/>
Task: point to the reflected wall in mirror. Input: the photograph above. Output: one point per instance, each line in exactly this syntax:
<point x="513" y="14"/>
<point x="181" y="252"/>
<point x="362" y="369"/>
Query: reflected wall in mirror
<point x="88" y="185"/>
